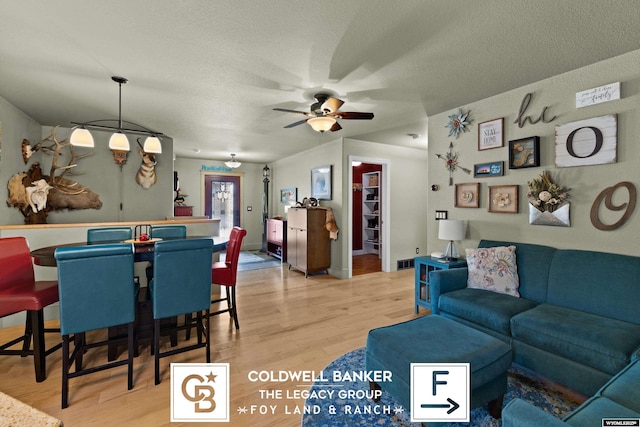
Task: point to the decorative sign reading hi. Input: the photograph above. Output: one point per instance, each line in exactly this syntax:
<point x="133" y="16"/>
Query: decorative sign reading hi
<point x="598" y="95"/>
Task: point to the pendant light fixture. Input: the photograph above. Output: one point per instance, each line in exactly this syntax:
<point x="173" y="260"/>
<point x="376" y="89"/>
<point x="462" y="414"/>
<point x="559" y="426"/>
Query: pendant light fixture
<point x="118" y="143"/>
<point x="233" y="163"/>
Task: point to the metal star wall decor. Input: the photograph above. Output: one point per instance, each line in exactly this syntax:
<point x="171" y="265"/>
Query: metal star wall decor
<point x="458" y="123"/>
<point x="451" y="163"/>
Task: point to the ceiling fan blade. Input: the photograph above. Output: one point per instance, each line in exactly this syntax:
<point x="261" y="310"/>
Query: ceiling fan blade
<point x="290" y="111"/>
<point x="336" y="127"/>
<point x="353" y="115"/>
<point x="298" y="123"/>
<point x="331" y="105"/>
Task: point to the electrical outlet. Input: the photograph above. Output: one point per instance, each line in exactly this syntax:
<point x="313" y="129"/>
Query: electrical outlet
<point x="417" y="251"/>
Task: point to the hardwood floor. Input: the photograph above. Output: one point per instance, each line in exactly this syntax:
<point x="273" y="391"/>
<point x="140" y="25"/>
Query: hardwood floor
<point x="364" y="264"/>
<point x="287" y="323"/>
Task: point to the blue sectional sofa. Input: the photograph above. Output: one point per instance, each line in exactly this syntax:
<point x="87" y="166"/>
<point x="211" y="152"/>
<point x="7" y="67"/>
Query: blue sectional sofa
<point x="576" y="322"/>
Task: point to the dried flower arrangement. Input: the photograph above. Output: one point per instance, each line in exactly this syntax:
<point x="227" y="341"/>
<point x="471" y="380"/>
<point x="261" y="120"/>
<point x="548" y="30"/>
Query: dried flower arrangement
<point x="545" y="194"/>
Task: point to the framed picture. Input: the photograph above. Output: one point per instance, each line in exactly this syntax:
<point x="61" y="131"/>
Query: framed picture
<point x="321" y="182"/>
<point x="503" y="198"/>
<point x="482" y="170"/>
<point x="490" y="134"/>
<point x="467" y="195"/>
<point x="524" y="153"/>
<point x="288" y="195"/>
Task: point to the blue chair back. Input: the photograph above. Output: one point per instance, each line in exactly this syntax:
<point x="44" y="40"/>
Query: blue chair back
<point x="109" y="234"/>
<point x="169" y="231"/>
<point x="181" y="277"/>
<point x="96" y="287"/>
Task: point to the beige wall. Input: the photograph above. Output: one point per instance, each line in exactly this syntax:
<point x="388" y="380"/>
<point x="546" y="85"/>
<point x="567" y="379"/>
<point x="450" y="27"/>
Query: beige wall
<point x="586" y="182"/>
<point x="191" y="182"/>
<point x="407" y="193"/>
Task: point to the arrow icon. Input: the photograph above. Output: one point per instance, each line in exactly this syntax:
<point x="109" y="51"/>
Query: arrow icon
<point x="452" y="404"/>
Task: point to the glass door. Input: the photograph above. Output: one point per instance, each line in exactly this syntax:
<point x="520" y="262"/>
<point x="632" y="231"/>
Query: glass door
<point x="222" y="201"/>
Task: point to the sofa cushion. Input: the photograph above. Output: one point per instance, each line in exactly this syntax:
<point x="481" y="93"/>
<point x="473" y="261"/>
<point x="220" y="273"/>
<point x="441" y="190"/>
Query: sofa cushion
<point x="489" y="309"/>
<point x="600" y="342"/>
<point x="623" y="388"/>
<point x="533" y="267"/>
<point x="493" y="269"/>
<point x="596" y="282"/>
<point x="595" y="409"/>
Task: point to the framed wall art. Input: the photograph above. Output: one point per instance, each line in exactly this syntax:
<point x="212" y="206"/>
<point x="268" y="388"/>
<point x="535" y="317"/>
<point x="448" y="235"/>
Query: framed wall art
<point x="587" y="142"/>
<point x="482" y="170"/>
<point x="288" y="195"/>
<point x="503" y="199"/>
<point x="490" y="134"/>
<point x="467" y="195"/>
<point x="524" y="153"/>
<point x="321" y="182"/>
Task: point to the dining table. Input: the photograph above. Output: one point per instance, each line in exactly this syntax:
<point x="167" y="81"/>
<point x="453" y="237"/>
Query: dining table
<point x="143" y="252"/>
<point x="45" y="257"/>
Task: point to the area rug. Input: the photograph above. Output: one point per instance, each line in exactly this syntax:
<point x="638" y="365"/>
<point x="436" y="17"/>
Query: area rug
<point x="254" y="260"/>
<point x="520" y="384"/>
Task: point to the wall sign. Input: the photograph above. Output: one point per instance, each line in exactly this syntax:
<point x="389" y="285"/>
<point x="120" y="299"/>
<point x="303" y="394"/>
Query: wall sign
<point x="521" y="120"/>
<point x="587" y="142"/>
<point x="598" y="95"/>
<point x="490" y="134"/>
<point x="606" y="195"/>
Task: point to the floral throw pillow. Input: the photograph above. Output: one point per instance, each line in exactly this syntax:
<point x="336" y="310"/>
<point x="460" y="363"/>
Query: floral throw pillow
<point x="493" y="269"/>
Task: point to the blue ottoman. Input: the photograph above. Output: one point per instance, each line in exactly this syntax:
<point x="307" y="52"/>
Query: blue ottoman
<point x="436" y="339"/>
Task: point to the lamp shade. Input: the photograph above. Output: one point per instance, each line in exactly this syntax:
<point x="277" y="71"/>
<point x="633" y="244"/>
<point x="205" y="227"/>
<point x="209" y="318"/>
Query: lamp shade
<point x="233" y="163"/>
<point x="119" y="141"/>
<point x="152" y="145"/>
<point x="451" y="229"/>
<point x="321" y="124"/>
<point x="80" y="137"/>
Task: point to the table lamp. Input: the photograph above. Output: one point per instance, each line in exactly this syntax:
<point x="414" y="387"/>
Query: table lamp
<point x="451" y="229"/>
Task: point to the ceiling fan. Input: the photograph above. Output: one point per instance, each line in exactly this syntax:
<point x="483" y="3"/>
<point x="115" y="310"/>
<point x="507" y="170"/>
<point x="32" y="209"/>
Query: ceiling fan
<point x="324" y="113"/>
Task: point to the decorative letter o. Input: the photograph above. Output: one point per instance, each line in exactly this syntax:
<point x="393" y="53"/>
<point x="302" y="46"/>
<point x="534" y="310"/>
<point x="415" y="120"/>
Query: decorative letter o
<point x="599" y="140"/>
<point x="607" y="195"/>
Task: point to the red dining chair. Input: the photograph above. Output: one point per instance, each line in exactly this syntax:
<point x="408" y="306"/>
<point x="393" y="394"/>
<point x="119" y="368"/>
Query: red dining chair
<point x="224" y="274"/>
<point x="19" y="291"/>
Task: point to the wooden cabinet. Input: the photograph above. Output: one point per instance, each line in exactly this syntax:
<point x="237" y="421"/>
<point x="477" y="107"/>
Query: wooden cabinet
<point x="183" y="211"/>
<point x="277" y="238"/>
<point x="371" y="204"/>
<point x="308" y="244"/>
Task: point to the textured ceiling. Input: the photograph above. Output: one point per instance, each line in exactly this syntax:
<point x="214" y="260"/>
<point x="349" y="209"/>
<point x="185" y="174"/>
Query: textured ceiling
<point x="208" y="72"/>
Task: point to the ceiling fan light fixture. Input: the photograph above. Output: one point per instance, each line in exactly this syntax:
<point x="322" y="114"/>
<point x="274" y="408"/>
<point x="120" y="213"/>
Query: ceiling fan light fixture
<point x="331" y="105"/>
<point x="233" y="163"/>
<point x="321" y="124"/>
<point x="80" y="137"/>
<point x="152" y="145"/>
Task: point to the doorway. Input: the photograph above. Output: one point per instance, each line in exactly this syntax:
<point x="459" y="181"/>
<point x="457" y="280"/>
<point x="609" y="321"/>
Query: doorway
<point x="222" y="200"/>
<point x="368" y="215"/>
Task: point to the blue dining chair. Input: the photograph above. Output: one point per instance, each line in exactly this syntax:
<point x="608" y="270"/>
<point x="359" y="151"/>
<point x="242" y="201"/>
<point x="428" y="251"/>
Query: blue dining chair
<point x="108" y="234"/>
<point x="97" y="291"/>
<point x="181" y="285"/>
<point x="165" y="232"/>
<point x="169" y="231"/>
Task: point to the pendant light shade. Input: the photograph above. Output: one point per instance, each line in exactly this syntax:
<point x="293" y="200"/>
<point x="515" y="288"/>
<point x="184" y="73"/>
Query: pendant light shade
<point x="80" y="137"/>
<point x="119" y="141"/>
<point x="321" y="124"/>
<point x="233" y="163"/>
<point x="152" y="145"/>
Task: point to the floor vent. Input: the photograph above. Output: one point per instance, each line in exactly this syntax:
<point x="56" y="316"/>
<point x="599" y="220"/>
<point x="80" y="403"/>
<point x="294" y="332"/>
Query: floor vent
<point x="404" y="264"/>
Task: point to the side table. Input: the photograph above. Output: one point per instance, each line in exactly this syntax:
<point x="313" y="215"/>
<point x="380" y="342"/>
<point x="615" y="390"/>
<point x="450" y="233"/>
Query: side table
<point x="423" y="266"/>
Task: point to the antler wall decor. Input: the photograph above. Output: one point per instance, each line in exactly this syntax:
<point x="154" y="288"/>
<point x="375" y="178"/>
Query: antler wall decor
<point x="36" y="194"/>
